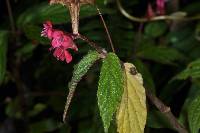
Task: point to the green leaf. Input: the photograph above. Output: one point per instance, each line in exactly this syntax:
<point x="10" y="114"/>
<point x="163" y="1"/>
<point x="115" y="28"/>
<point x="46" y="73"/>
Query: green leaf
<point x="194" y="92"/>
<point x="162" y="55"/>
<point x="192" y="70"/>
<point x="79" y="71"/>
<point x="82" y="67"/>
<point x="110" y="88"/>
<point x="194" y="115"/>
<point x="3" y="51"/>
<point x="155" y="29"/>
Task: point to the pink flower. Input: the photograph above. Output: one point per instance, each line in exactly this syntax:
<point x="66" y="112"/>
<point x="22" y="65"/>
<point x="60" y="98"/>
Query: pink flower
<point x="150" y="12"/>
<point x="160" y="7"/>
<point x="60" y="42"/>
<point x="47" y="30"/>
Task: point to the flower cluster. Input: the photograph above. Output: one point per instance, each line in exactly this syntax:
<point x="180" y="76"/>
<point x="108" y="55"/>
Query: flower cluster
<point x="60" y="42"/>
<point x="160" y="9"/>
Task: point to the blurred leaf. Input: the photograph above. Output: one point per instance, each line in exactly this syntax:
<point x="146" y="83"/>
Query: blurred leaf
<point x="132" y="111"/>
<point x="65" y="129"/>
<point x="110" y="88"/>
<point x="155" y="29"/>
<point x="192" y="8"/>
<point x="147" y="77"/>
<point x="56" y="13"/>
<point x="192" y="70"/>
<point x="33" y="33"/>
<point x="155" y="119"/>
<point x="163" y="55"/>
<point x="170" y="89"/>
<point x="13" y="109"/>
<point x="183" y="39"/>
<point x="26" y="50"/>
<point x="47" y="125"/>
<point x="194" y="115"/>
<point x="43" y="12"/>
<point x="3" y="52"/>
<point x="37" y="109"/>
<point x="197" y="32"/>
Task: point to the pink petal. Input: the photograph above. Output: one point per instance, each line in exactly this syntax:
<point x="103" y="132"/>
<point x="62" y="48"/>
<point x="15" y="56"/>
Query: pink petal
<point x="57" y="52"/>
<point x="62" y="56"/>
<point x="49" y="33"/>
<point x="67" y="42"/>
<point x="75" y="47"/>
<point x="68" y="56"/>
<point x="47" y="30"/>
<point x="160" y="6"/>
<point x="55" y="43"/>
<point x="150" y="12"/>
<point x="57" y="33"/>
<point x="48" y="24"/>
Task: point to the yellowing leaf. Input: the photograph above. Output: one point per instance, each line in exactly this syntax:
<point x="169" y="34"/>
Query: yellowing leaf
<point x="132" y="113"/>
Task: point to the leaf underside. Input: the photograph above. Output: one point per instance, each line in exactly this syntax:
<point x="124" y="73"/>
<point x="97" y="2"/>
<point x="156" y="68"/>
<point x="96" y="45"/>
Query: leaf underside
<point x="132" y="113"/>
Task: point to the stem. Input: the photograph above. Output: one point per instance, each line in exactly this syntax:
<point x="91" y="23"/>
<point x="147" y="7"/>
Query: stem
<point x="156" y="101"/>
<point x="166" y="111"/>
<point x="106" y="28"/>
<point x="156" y="18"/>
<point x="10" y="14"/>
<point x="100" y="50"/>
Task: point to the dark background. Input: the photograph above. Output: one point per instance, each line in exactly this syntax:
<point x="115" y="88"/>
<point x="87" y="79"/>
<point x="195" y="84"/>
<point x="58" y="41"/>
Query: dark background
<point x="34" y="88"/>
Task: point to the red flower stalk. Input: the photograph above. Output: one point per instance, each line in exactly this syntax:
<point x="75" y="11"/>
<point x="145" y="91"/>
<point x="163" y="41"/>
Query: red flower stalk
<point x="160" y="7"/>
<point x="60" y="42"/>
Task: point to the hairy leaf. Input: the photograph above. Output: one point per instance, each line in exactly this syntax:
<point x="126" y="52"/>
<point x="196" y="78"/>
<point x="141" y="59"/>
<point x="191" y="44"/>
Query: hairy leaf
<point x="79" y="71"/>
<point x="132" y="113"/>
<point x="3" y="51"/>
<point x="194" y="115"/>
<point x="110" y="88"/>
<point x="82" y="67"/>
